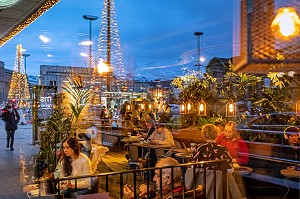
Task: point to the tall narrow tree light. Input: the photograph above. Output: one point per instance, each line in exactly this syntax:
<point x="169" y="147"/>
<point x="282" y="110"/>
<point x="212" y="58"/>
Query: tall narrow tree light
<point x="109" y="45"/>
<point x="19" y="89"/>
<point x="198" y="64"/>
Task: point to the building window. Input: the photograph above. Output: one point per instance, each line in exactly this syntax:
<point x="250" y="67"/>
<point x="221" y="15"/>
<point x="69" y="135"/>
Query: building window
<point x="52" y="83"/>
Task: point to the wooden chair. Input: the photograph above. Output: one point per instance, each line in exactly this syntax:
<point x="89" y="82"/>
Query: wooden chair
<point x="134" y="159"/>
<point x="233" y="190"/>
<point x="178" y="145"/>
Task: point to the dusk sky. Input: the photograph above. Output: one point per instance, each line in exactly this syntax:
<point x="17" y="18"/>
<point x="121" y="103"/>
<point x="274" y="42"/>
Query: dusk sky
<point x="157" y="36"/>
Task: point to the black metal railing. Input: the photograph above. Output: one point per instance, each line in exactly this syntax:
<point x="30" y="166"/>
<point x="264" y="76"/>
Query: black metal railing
<point x="123" y="177"/>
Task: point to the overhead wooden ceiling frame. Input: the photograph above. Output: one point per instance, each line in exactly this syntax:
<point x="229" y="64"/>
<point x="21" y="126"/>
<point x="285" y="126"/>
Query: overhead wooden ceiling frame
<point x="36" y="14"/>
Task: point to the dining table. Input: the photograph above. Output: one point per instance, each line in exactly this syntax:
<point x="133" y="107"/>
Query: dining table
<point x="242" y="170"/>
<point x="292" y="179"/>
<point x="146" y="144"/>
<point x="183" y="157"/>
<point x="130" y="140"/>
<point x="37" y="191"/>
<point x="290" y="172"/>
<point x="158" y="148"/>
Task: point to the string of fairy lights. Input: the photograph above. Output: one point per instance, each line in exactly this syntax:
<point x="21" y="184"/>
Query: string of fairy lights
<point x="109" y="44"/>
<point x="19" y="88"/>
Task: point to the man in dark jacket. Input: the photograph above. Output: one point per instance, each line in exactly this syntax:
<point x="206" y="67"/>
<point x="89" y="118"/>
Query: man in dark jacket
<point x="11" y="118"/>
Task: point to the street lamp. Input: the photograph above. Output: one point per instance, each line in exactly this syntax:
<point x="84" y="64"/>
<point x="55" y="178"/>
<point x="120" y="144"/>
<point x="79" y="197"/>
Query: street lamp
<point x="25" y="55"/>
<point x="198" y="64"/>
<point x="90" y="18"/>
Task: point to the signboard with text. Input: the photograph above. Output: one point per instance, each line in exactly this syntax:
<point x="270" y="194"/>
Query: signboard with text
<point x="46" y="98"/>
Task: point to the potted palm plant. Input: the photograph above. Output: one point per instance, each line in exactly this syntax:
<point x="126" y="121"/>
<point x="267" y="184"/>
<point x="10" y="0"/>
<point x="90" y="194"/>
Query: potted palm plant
<point x="63" y="123"/>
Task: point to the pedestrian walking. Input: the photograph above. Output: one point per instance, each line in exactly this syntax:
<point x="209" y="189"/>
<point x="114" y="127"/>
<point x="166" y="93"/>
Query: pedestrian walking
<point x="11" y="118"/>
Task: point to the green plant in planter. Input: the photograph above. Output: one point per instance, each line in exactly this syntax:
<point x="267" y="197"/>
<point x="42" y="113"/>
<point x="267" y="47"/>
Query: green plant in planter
<point x="212" y="120"/>
<point x="60" y="124"/>
<point x="198" y="89"/>
<point x="57" y="128"/>
<point x="78" y="97"/>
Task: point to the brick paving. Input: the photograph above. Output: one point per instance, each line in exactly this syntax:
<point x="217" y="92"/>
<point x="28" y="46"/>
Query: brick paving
<point x="10" y="186"/>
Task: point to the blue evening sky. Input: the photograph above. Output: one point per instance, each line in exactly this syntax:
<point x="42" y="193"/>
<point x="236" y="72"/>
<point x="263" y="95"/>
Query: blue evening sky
<point x="156" y="35"/>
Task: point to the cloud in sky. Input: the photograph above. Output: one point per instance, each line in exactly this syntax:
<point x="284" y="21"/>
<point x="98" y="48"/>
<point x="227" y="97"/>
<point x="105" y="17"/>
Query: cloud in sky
<point x="156" y="36"/>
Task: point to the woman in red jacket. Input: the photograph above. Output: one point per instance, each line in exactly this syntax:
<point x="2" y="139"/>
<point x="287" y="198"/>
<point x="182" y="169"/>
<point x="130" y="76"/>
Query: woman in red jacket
<point x="236" y="146"/>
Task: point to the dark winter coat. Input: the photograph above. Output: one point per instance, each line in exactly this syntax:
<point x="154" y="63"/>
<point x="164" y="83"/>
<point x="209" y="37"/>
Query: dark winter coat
<point x="11" y="119"/>
<point x="287" y="152"/>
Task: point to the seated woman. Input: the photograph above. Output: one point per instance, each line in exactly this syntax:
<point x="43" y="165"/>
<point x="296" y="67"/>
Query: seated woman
<point x="290" y="150"/>
<point x="211" y="150"/>
<point x="73" y="163"/>
<point x="236" y="146"/>
<point x="150" y="130"/>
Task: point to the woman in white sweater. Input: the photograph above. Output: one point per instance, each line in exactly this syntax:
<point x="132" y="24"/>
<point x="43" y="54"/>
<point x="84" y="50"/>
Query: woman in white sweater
<point x="74" y="163"/>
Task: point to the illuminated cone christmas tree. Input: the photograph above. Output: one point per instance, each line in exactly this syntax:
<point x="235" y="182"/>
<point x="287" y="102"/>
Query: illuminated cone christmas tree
<point x="109" y="45"/>
<point x="18" y="89"/>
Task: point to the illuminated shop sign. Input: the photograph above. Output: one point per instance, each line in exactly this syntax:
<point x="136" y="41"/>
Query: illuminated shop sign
<point x="46" y="102"/>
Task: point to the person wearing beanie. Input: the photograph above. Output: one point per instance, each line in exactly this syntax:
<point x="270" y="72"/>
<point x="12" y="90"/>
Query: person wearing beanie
<point x="291" y="136"/>
<point x="11" y="118"/>
<point x="290" y="148"/>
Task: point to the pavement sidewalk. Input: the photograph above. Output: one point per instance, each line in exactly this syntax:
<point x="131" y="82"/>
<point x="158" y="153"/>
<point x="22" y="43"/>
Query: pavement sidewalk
<point x="10" y="186"/>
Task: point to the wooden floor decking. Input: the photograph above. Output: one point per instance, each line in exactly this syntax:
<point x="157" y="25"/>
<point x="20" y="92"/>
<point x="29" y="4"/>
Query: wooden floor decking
<point x="115" y="161"/>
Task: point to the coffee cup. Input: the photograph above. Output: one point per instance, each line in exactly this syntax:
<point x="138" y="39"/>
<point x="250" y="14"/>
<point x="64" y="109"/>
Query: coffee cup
<point x="141" y="140"/>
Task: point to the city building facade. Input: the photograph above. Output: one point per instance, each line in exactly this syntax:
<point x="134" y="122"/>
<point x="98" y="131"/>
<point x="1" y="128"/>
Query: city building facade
<point x="5" y="77"/>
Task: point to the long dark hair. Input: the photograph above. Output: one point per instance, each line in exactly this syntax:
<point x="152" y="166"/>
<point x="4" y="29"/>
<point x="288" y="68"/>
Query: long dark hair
<point x="66" y="160"/>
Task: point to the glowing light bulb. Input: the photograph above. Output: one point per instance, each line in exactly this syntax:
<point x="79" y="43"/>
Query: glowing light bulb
<point x="231" y="108"/>
<point x="286" y="22"/>
<point x="189" y="107"/>
<point x="102" y="67"/>
<point x="201" y="107"/>
<point x="182" y="108"/>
